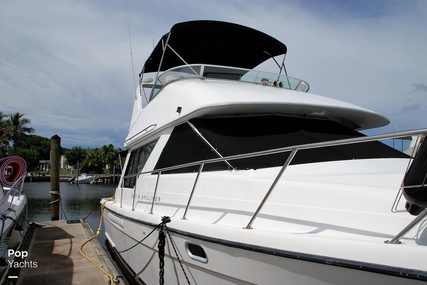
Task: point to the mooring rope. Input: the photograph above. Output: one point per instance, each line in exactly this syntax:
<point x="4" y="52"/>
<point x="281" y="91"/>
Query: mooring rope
<point x="161" y="247"/>
<point x="177" y="256"/>
<point x="109" y="275"/>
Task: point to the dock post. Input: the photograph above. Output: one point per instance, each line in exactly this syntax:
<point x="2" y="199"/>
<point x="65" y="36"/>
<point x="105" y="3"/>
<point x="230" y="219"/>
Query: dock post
<point x="55" y="156"/>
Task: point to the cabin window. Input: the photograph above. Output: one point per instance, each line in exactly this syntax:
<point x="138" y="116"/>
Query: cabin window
<point x="137" y="160"/>
<point x="239" y="135"/>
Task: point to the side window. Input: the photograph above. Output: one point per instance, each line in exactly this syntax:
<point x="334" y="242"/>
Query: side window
<point x="185" y="146"/>
<point x="137" y="160"/>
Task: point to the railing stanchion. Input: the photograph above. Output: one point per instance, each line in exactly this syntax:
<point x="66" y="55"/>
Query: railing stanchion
<point x="192" y="191"/>
<point x="155" y="192"/>
<point x="396" y="239"/>
<point x="134" y="193"/>
<point x="288" y="161"/>
<point x="121" y="192"/>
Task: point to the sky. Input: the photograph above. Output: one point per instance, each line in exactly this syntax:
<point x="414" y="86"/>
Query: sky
<point x="70" y="66"/>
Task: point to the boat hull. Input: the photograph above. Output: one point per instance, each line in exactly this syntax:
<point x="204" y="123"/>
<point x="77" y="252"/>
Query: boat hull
<point x="82" y="179"/>
<point x="11" y="235"/>
<point x="231" y="262"/>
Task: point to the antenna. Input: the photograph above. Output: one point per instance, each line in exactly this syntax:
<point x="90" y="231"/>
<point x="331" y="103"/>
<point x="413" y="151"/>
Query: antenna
<point x="131" y="57"/>
<point x="395" y="125"/>
<point x="141" y="90"/>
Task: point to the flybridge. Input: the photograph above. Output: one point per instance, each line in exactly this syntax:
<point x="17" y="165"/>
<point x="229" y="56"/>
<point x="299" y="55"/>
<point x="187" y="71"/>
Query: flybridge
<point x="219" y="50"/>
<point x="215" y="43"/>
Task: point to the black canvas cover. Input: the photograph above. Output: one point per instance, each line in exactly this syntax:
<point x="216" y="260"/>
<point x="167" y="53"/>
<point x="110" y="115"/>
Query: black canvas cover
<point x="213" y="42"/>
<point x="417" y="176"/>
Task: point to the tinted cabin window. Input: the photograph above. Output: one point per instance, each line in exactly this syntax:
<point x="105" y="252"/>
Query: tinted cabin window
<point x="185" y="146"/>
<point x="231" y="136"/>
<point x="137" y="160"/>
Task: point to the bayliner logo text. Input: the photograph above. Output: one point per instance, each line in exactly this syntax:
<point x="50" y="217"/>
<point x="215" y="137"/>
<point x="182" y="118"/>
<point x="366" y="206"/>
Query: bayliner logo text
<point x="20" y="255"/>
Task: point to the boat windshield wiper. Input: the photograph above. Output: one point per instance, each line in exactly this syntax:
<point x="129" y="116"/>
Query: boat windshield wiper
<point x="209" y="144"/>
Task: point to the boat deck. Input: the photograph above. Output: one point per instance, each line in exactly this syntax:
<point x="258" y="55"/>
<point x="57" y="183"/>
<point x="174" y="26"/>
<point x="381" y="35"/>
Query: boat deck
<point x="54" y="256"/>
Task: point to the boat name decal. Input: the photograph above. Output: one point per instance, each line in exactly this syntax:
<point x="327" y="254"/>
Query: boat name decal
<point x="143" y="197"/>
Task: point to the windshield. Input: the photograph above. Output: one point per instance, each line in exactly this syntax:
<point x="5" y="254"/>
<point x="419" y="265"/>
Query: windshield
<point x="228" y="73"/>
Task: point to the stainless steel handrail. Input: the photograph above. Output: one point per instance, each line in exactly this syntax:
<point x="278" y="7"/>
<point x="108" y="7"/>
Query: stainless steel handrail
<point x="293" y="149"/>
<point x="289" y="149"/>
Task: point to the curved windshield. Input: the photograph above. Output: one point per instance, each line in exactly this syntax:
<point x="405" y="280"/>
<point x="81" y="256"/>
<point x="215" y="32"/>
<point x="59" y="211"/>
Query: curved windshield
<point x="228" y="73"/>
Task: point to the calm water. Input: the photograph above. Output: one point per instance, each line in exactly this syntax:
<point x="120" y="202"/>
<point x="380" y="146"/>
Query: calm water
<point x="78" y="202"/>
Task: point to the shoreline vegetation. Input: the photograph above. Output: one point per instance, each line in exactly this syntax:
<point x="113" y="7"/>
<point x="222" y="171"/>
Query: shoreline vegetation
<point x="18" y="138"/>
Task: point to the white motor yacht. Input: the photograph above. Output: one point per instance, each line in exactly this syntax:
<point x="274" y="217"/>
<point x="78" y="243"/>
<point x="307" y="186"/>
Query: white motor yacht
<point x="239" y="176"/>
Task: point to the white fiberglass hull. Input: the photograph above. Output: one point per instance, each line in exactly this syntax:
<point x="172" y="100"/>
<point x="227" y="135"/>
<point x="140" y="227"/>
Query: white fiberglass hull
<point x="229" y="262"/>
<point x="85" y="180"/>
<point x="13" y="210"/>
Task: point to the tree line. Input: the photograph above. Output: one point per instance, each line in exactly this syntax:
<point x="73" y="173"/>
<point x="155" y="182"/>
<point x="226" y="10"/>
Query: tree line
<point x="18" y="138"/>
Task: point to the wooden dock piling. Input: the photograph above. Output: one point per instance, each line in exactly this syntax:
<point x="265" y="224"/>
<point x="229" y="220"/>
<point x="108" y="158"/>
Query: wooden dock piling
<point x="55" y="157"/>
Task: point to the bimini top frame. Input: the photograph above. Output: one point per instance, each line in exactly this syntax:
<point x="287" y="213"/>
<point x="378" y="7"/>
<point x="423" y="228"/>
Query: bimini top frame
<point x="215" y="43"/>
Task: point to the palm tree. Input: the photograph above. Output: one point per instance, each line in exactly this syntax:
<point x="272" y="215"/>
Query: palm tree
<point x="17" y="129"/>
<point x="3" y="133"/>
<point x="2" y="127"/>
<point x="109" y="155"/>
<point x="93" y="160"/>
<point x="75" y="156"/>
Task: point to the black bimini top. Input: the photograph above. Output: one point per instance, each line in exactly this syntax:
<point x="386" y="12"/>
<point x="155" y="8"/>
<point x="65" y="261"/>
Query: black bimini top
<point x="213" y="42"/>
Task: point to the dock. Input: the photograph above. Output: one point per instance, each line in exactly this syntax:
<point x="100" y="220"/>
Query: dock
<point x="50" y="254"/>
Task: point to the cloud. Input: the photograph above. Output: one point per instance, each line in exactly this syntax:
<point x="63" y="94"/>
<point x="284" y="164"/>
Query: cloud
<point x="67" y="66"/>
<point x="409" y="108"/>
<point x="413" y="100"/>
<point x="420" y="87"/>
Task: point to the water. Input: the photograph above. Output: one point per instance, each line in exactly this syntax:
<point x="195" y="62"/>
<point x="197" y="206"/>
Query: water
<point x="78" y="202"/>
